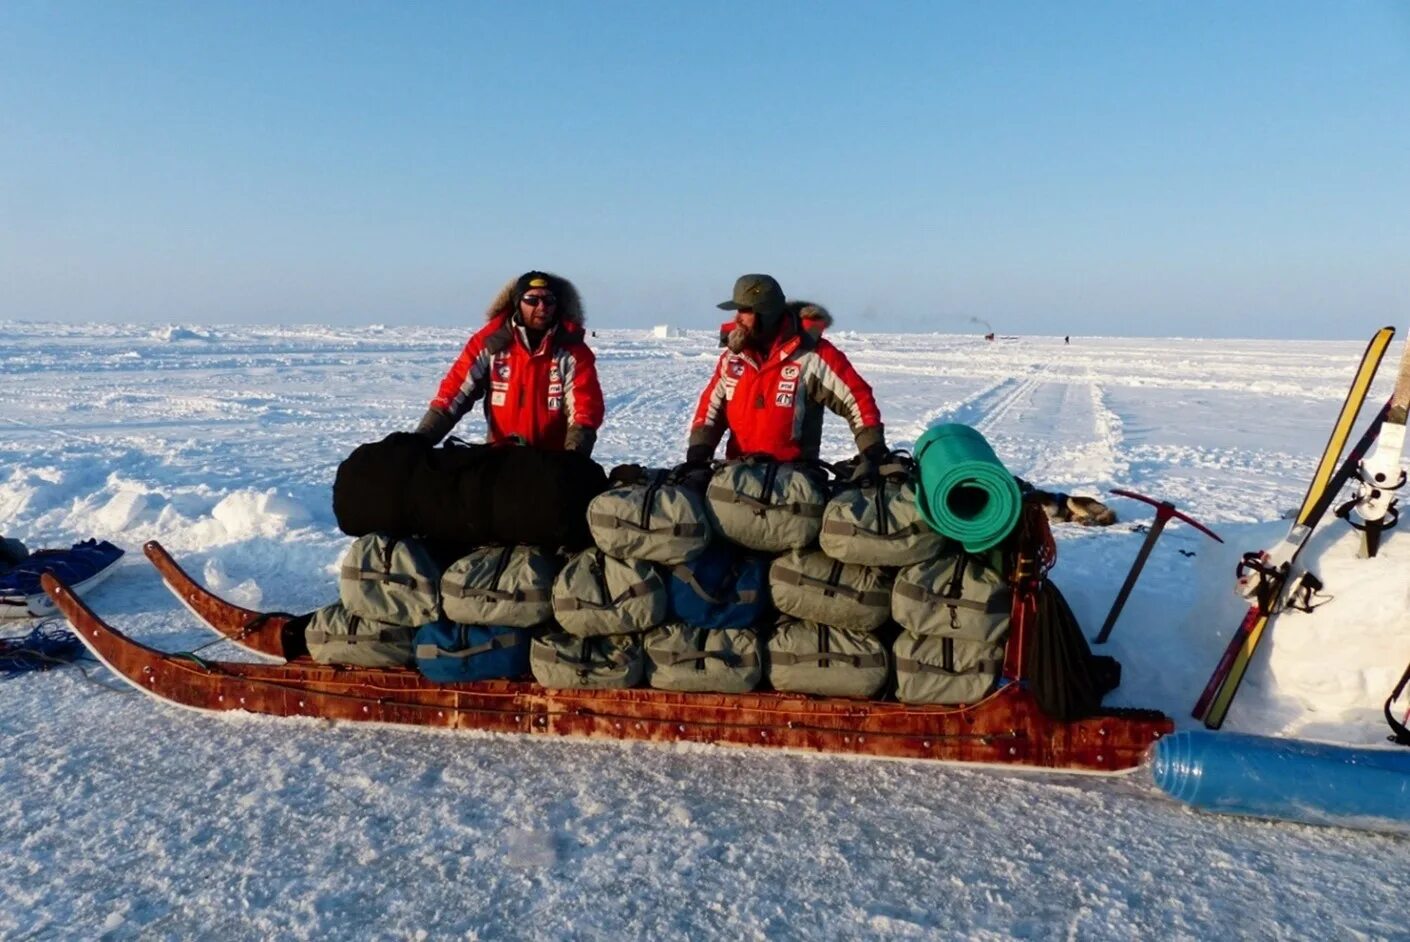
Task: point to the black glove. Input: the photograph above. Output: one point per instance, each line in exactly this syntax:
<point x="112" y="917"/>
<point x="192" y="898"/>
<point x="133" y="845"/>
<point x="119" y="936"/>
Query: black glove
<point x="877" y="454"/>
<point x="698" y="456"/>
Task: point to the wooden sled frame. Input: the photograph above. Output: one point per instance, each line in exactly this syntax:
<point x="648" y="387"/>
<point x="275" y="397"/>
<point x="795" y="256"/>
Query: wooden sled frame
<point x="1005" y="729"/>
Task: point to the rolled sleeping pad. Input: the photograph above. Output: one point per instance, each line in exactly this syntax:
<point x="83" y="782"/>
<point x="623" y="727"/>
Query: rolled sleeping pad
<point x="965" y="492"/>
<point x="1286" y="779"/>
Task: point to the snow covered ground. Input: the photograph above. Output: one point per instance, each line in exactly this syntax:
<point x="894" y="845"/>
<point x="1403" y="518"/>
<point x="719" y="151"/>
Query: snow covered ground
<point x="122" y="818"/>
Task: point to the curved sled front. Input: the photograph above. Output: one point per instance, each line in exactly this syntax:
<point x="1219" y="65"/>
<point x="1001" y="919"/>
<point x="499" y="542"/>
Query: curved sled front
<point x="1005" y="729"/>
<point x="260" y="632"/>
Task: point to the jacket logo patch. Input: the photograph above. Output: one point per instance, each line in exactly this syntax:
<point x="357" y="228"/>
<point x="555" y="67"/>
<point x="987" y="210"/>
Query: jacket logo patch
<point x="555" y="403"/>
<point x="501" y="369"/>
<point x="791" y="371"/>
<point x="497" y="398"/>
<point x="555" y="389"/>
<point x="783" y="399"/>
<point x="735" y="367"/>
<point x="787" y="385"/>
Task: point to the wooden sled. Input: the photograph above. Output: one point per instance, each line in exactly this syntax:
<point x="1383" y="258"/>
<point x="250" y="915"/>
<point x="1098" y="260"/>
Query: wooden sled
<point x="1006" y="728"/>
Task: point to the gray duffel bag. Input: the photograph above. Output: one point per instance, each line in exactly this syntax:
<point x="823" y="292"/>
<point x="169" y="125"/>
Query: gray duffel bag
<point x="336" y="636"/>
<point x="767" y="505"/>
<point x="811" y="585"/>
<point x="873" y="519"/>
<point x="505" y="586"/>
<point x="390" y="579"/>
<point x="562" y="662"/>
<point x="959" y="595"/>
<point x="945" y="670"/>
<point x="699" y="660"/>
<point x="598" y="595"/>
<point x="805" y="657"/>
<point x="653" y="515"/>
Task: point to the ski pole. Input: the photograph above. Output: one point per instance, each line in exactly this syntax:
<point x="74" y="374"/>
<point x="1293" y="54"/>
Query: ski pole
<point x="1164" y="510"/>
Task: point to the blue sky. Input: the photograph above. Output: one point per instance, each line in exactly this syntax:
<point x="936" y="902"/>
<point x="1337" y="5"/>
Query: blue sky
<point x="1218" y="169"/>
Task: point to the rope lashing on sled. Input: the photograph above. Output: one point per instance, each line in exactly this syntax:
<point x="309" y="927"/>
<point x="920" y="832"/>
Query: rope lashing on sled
<point x="46" y="646"/>
<point x="965" y="492"/>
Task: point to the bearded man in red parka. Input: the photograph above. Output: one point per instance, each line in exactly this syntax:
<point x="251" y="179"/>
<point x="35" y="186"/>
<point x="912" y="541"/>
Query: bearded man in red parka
<point x="531" y="366"/>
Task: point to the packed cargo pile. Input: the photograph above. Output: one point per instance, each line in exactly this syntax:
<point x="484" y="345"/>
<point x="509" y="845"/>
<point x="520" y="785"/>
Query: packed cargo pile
<point x="754" y="574"/>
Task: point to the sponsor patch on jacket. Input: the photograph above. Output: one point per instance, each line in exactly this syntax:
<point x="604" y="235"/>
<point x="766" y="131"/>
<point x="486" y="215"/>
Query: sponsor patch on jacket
<point x="554" y="375"/>
<point x="791" y="371"/>
<point x="783" y="399"/>
<point x="497" y="397"/>
<point x="555" y="389"/>
<point x="735" y="367"/>
<point x="555" y="403"/>
<point x="787" y="385"/>
<point x="501" y="369"/>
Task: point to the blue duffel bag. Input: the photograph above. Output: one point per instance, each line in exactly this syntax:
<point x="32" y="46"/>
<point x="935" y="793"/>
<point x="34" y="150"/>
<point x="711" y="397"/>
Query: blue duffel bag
<point x="720" y="588"/>
<point x="450" y="653"/>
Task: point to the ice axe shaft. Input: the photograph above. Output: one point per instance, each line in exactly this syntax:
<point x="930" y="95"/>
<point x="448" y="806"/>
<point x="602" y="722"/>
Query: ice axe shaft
<point x="1164" y="510"/>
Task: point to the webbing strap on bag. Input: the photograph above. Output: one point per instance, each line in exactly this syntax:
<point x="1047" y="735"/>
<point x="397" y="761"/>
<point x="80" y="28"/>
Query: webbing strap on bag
<point x="918" y="594"/>
<point x="498" y="595"/>
<point x="429" y="652"/>
<point x="684" y="574"/>
<point x="730" y="658"/>
<point x="870" y="597"/>
<point x="785" y="658"/>
<point x="396" y="578"/>
<point x="842" y="528"/>
<point x="635" y="591"/>
<point x="910" y="665"/>
<point x="393" y="634"/>
<point x="585" y="661"/>
<point x="761" y="507"/>
<point x="676" y="529"/>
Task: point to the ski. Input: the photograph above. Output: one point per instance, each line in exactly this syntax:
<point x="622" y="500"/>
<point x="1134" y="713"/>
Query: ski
<point x="1266" y="576"/>
<point x="1381" y="475"/>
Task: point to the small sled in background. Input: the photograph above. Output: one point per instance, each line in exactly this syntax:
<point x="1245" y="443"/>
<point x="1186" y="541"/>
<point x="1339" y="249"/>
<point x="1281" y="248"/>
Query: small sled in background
<point x="84" y="564"/>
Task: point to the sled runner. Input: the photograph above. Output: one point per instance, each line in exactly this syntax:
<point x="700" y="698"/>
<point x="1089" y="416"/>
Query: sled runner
<point x="1005" y="728"/>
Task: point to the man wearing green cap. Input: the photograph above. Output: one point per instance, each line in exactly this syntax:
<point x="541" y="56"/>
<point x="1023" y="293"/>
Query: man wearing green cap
<point x="773" y="379"/>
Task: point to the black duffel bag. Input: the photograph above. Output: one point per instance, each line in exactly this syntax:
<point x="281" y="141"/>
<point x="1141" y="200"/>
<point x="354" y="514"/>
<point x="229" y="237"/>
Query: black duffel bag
<point x="473" y="494"/>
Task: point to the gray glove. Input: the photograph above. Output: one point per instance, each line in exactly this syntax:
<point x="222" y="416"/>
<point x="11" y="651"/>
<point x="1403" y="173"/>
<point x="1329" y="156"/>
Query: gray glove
<point x="435" y="425"/>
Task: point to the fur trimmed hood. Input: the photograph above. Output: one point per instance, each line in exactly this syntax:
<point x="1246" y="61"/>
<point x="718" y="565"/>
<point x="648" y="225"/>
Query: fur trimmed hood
<point x="813" y="318"/>
<point x="570" y="306"/>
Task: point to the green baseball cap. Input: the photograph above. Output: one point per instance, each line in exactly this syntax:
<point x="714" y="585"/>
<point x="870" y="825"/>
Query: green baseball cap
<point x="760" y="293"/>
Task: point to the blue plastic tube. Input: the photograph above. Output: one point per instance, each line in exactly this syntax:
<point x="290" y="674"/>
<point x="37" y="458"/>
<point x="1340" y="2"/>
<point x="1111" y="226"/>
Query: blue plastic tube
<point x="1287" y="779"/>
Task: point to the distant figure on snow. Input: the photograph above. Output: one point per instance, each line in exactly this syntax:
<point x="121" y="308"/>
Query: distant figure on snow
<point x="1067" y="340"/>
<point x="532" y="367"/>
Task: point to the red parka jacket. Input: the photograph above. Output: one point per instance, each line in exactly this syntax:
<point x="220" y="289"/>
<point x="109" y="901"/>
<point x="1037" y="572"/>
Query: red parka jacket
<point x="772" y="403"/>
<point x="549" y="395"/>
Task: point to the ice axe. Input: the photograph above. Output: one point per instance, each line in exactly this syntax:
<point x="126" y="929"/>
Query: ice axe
<point x="1164" y="510"/>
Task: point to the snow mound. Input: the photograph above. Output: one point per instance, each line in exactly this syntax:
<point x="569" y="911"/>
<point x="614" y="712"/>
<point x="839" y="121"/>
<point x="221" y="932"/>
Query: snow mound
<point x="123" y="510"/>
<point x="245" y="593"/>
<point x="174" y="334"/>
<point x="1322" y="674"/>
<point x="248" y="513"/>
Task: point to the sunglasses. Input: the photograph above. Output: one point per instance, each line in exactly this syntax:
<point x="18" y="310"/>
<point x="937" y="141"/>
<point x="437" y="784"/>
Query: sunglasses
<point x="534" y="300"/>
